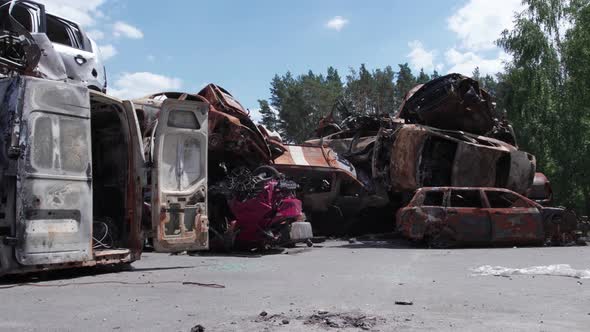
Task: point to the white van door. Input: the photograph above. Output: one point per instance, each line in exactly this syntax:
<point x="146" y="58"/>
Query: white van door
<point x="54" y="174"/>
<point x="179" y="177"/>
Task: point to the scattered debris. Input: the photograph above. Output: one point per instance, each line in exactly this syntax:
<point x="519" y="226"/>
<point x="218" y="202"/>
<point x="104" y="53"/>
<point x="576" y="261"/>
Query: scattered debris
<point x="263" y="314"/>
<point x="404" y="303"/>
<point x="344" y="320"/>
<point x="558" y="270"/>
<point x="198" y="328"/>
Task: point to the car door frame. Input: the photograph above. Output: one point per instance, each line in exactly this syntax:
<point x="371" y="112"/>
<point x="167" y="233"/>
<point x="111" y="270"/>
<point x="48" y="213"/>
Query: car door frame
<point x="161" y="209"/>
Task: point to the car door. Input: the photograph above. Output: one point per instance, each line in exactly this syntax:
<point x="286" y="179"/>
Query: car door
<point x="137" y="178"/>
<point x="54" y="192"/>
<point x="467" y="218"/>
<point x="179" y="177"/>
<point x="514" y="219"/>
<point x="424" y="214"/>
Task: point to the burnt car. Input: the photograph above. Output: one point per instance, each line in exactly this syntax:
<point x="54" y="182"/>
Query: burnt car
<point x="423" y="156"/>
<point x="456" y="102"/>
<point x="38" y="43"/>
<point x="265" y="210"/>
<point x="233" y="136"/>
<point x="332" y="194"/>
<point x="70" y="177"/>
<point x="398" y="157"/>
<point x="541" y="191"/>
<point x="452" y="216"/>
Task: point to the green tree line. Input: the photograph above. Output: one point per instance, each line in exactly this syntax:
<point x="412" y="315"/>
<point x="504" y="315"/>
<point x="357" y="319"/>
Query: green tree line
<point x="545" y="90"/>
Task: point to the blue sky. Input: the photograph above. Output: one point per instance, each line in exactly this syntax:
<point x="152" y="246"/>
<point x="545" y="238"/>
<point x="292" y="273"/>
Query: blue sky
<point x="240" y="45"/>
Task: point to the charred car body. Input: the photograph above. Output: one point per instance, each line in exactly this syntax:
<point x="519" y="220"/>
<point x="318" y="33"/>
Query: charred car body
<point x="331" y="192"/>
<point x="451" y="216"/>
<point x="70" y="177"/>
<point x="540" y="191"/>
<point x="456" y="102"/>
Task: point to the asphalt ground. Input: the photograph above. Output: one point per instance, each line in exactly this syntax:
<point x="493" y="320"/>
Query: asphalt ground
<point x="333" y="286"/>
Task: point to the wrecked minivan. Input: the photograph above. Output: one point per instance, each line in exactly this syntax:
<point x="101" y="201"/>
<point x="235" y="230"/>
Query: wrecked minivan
<point x="70" y="177"/>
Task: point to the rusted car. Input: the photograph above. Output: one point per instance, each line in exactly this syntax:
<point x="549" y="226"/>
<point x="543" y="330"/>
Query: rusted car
<point x="451" y="216"/>
<point x="403" y="157"/>
<point x="233" y="136"/>
<point x="456" y="102"/>
<point x="70" y="177"/>
<point x="423" y="156"/>
<point x="329" y="188"/>
<point x="541" y="191"/>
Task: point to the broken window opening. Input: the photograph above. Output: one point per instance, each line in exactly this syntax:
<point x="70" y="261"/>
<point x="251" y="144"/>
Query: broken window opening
<point x="502" y="171"/>
<point x="22" y="15"/>
<point x="434" y="198"/>
<point x="466" y="199"/>
<point x="62" y="32"/>
<point x="58" y="143"/>
<point x="183" y="119"/>
<point x="436" y="168"/>
<point x="181" y="162"/>
<point x="500" y="199"/>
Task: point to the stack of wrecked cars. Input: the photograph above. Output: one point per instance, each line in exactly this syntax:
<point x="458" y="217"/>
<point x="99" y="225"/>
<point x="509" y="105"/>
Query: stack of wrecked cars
<point x="87" y="179"/>
<point x="447" y="134"/>
<point x="226" y="168"/>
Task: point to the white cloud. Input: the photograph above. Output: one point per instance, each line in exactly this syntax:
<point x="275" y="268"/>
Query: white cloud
<point x="134" y="85"/>
<point x="336" y="23"/>
<point x="422" y="58"/>
<point x="107" y="51"/>
<point x="122" y="29"/>
<point x="80" y="11"/>
<point x="465" y="62"/>
<point x="255" y="115"/>
<point x="479" y="23"/>
<point x="96" y="34"/>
